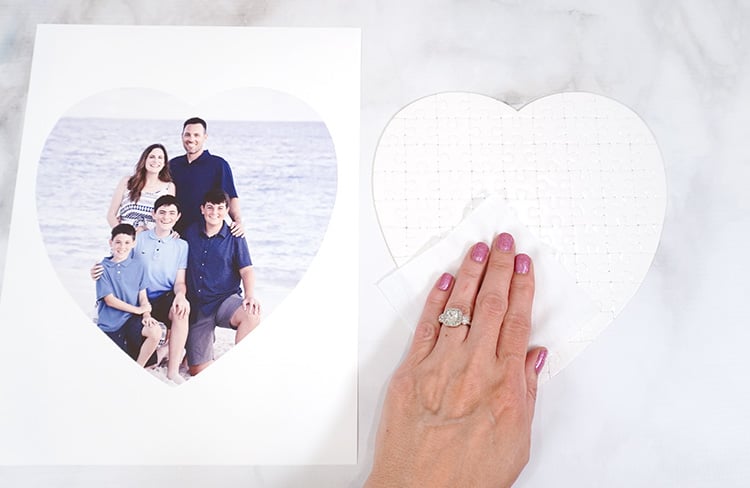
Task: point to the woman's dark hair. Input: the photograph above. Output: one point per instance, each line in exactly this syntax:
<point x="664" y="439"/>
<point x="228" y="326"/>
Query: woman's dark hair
<point x="138" y="180"/>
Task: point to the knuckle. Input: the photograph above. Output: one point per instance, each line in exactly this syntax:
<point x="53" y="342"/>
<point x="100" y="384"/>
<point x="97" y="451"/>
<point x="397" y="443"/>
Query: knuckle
<point x="523" y="284"/>
<point x="441" y="389"/>
<point x="434" y="300"/>
<point x="476" y="367"/>
<point x="501" y="263"/>
<point x="510" y="402"/>
<point x="492" y="303"/>
<point x="426" y="331"/>
<point x="465" y="390"/>
<point x="470" y="388"/>
<point x="473" y="272"/>
<point x="402" y="385"/>
<point x="431" y="396"/>
<point x="515" y="321"/>
<point x="513" y="352"/>
<point x="468" y="398"/>
<point x="425" y="386"/>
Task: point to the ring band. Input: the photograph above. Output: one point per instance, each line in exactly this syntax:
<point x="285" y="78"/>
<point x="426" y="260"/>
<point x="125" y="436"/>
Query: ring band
<point x="453" y="317"/>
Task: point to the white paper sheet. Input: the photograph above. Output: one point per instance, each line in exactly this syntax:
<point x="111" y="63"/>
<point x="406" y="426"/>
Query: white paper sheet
<point x="287" y="394"/>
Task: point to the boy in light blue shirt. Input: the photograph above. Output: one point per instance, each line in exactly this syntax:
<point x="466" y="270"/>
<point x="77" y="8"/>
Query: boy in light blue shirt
<point x="122" y="301"/>
<point x="164" y="258"/>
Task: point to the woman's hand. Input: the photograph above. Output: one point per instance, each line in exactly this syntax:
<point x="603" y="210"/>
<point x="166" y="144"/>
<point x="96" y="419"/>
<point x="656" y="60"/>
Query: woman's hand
<point x="459" y="408"/>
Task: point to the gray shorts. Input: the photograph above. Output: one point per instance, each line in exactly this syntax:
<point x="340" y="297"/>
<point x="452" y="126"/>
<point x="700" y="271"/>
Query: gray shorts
<point x="201" y="337"/>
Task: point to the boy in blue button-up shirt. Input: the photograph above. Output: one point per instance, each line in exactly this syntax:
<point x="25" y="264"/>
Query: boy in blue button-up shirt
<point x="121" y="295"/>
<point x="217" y="263"/>
<point x="164" y="257"/>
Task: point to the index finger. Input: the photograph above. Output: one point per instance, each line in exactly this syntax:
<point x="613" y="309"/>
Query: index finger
<point x="516" y="328"/>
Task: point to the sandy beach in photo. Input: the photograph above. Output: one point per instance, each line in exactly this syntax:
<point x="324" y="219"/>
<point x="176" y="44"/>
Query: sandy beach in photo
<point x="269" y="299"/>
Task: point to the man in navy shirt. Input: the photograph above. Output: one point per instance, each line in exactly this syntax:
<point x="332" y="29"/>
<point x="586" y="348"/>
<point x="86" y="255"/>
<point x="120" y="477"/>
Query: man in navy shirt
<point x="198" y="171"/>
<point x="217" y="263"/>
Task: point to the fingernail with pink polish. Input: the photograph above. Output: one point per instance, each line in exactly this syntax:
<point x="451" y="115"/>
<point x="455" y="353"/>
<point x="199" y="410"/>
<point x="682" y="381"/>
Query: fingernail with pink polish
<point x="523" y="264"/>
<point x="445" y="282"/>
<point x="504" y="242"/>
<point x="480" y="252"/>
<point x="540" y="360"/>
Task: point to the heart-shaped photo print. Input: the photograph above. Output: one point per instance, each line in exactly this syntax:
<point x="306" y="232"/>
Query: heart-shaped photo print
<point x="280" y="165"/>
<point x="581" y="172"/>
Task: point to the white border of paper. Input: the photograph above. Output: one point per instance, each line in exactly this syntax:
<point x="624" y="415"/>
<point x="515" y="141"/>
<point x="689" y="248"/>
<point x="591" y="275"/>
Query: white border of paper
<point x="288" y="396"/>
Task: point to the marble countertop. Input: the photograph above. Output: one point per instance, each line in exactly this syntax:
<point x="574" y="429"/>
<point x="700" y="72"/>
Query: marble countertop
<point x="661" y="398"/>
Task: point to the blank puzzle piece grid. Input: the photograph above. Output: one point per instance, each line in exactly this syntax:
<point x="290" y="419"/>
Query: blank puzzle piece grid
<point x="581" y="171"/>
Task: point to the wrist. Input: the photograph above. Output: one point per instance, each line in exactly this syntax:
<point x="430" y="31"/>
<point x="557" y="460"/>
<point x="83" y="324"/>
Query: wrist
<point x="381" y="479"/>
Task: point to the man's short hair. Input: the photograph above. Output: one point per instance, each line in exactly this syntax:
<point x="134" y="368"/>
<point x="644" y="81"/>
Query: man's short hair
<point x="216" y="196"/>
<point x="123" y="229"/>
<point x="166" y="200"/>
<point x="195" y="120"/>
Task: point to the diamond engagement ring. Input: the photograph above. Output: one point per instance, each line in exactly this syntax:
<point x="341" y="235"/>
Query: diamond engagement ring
<point x="453" y="317"/>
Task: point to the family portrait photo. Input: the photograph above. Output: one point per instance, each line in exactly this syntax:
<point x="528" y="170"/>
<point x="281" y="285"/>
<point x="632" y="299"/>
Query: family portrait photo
<point x="177" y="231"/>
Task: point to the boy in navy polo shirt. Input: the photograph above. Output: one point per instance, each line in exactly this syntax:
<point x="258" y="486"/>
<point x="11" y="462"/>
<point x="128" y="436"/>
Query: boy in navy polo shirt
<point x="217" y="263"/>
<point x="121" y="295"/>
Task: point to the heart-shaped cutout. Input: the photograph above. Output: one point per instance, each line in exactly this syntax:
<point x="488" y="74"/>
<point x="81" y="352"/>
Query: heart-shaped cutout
<point x="582" y="172"/>
<point x="281" y="155"/>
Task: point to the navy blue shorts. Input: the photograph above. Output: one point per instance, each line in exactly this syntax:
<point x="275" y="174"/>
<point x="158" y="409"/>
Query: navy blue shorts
<point x="129" y="338"/>
<point x="134" y="338"/>
<point x="160" y="307"/>
<point x="119" y="338"/>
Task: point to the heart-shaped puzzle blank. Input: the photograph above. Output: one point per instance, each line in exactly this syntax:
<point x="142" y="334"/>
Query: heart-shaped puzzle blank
<point x="582" y="172"/>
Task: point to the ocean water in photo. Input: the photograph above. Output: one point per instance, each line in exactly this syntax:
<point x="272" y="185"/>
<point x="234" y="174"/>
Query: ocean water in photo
<point x="285" y="174"/>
